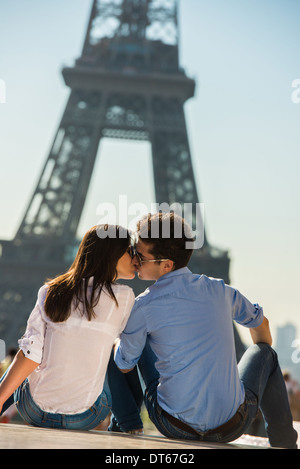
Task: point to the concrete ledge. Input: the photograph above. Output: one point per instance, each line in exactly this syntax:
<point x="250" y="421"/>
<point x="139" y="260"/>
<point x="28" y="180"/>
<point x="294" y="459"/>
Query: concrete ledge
<point x="19" y="436"/>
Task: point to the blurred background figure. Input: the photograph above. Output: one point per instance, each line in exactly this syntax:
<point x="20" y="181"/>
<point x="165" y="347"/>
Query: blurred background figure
<point x="293" y="389"/>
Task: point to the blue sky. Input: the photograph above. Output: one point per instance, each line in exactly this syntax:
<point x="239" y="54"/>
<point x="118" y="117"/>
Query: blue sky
<point x="244" y="130"/>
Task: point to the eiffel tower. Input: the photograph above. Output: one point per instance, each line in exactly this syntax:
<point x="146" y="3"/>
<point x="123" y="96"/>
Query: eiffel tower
<point x="127" y="84"/>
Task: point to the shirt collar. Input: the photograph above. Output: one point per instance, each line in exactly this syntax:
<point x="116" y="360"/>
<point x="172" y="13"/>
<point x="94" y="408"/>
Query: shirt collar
<point x="174" y="273"/>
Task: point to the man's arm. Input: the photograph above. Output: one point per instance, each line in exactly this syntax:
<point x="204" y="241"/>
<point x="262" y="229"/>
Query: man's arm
<point x="116" y="344"/>
<point x="130" y="346"/>
<point x="20" y="369"/>
<point x="262" y="333"/>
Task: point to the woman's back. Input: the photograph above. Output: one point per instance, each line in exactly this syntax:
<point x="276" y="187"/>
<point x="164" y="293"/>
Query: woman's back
<point x="73" y="354"/>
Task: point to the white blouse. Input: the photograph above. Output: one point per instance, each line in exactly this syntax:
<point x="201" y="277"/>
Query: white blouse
<point x="73" y="355"/>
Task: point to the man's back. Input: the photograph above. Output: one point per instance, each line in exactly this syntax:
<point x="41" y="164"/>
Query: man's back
<point x="188" y="319"/>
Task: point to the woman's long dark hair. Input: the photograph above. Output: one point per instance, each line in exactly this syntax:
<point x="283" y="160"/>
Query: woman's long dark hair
<point x="97" y="256"/>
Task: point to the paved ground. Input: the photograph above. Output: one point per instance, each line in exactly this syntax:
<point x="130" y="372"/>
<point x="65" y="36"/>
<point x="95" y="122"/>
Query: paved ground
<point x="19" y="436"/>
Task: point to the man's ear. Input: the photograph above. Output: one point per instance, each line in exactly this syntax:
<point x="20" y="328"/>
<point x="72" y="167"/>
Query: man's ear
<point x="169" y="265"/>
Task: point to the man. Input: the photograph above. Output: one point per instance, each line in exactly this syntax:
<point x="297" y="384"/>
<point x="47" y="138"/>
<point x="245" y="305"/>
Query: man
<point x="196" y="390"/>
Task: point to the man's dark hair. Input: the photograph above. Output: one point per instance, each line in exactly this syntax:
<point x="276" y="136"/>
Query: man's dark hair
<point x="168" y="235"/>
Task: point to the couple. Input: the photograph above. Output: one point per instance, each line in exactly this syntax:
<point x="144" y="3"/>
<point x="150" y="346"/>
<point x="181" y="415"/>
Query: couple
<point x="182" y="324"/>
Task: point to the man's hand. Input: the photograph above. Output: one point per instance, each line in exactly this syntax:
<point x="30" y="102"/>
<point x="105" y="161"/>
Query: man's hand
<point x="115" y="347"/>
<point x="126" y="371"/>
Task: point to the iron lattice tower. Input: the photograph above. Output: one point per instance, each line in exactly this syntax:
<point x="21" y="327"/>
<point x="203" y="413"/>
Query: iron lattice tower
<point x="127" y="84"/>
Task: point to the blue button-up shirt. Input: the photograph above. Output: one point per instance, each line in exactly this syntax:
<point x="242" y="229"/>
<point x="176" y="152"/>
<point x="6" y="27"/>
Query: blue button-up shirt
<point x="188" y="319"/>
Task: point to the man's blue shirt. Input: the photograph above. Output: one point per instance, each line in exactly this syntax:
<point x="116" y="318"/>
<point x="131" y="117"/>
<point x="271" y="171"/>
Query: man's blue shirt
<point x="188" y="319"/>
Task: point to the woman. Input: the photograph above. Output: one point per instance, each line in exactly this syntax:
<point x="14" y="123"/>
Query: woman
<point x="58" y="377"/>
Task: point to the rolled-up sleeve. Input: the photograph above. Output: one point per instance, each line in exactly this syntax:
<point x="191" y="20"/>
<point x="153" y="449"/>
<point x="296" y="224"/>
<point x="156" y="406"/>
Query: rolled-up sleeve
<point x="32" y="342"/>
<point x="132" y="341"/>
<point x="243" y="311"/>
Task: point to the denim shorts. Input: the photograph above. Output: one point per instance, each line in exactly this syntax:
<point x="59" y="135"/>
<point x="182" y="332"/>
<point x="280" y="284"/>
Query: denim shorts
<point x="34" y="415"/>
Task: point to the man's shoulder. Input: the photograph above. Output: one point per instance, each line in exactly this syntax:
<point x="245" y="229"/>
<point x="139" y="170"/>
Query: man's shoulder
<point x="173" y="285"/>
<point x="212" y="281"/>
<point x="148" y="297"/>
<point x="143" y="297"/>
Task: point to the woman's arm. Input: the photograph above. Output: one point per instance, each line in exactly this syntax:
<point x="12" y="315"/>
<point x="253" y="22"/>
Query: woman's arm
<point x="21" y="368"/>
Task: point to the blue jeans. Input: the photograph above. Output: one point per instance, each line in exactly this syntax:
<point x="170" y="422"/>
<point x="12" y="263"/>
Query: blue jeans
<point x="264" y="388"/>
<point x="34" y="415"/>
<point x="125" y="389"/>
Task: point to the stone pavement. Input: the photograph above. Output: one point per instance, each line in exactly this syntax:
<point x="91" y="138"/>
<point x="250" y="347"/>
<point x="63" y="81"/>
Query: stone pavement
<point x="19" y="436"/>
